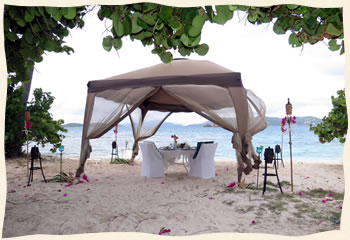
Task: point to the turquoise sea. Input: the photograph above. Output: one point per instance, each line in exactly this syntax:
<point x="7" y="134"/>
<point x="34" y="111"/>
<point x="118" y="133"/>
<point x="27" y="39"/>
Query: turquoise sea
<point x="305" y="147"/>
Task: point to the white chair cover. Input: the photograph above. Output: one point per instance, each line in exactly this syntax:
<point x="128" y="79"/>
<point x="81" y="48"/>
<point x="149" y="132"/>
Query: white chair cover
<point x="152" y="160"/>
<point x="203" y="165"/>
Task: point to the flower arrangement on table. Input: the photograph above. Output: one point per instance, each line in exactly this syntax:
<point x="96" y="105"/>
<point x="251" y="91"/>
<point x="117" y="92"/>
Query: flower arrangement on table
<point x="175" y="140"/>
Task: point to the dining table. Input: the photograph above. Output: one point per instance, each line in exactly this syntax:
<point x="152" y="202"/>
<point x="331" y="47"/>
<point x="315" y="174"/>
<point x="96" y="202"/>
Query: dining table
<point x="171" y="156"/>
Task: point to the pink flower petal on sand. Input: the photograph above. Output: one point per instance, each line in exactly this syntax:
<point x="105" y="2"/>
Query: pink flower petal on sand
<point x="68" y="185"/>
<point x="231" y="185"/>
<point x="162" y="182"/>
<point x="85" y="177"/>
<point x="253" y="222"/>
<point x="65" y="195"/>
<point x="300" y="193"/>
<point x="329" y="199"/>
<point x="59" y="190"/>
<point x="324" y="201"/>
<point x="24" y="186"/>
<point x="12" y="191"/>
<point x="330" y="194"/>
<point x="80" y="181"/>
<point x="26" y="195"/>
<point x="211" y="198"/>
<point x="227" y="169"/>
<point x="340" y="207"/>
<point x="307" y="177"/>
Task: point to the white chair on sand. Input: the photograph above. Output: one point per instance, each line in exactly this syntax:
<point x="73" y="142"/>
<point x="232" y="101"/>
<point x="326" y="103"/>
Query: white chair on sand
<point x="203" y="165"/>
<point x="152" y="160"/>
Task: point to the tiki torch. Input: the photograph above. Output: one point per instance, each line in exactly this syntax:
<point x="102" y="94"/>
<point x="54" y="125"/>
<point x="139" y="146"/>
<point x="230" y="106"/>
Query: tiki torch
<point x="289" y="108"/>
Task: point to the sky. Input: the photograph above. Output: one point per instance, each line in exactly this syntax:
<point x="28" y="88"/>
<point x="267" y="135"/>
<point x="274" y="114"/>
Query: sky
<point x="270" y="67"/>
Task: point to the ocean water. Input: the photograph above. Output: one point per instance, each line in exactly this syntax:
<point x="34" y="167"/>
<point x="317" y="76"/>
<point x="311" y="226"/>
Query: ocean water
<point x="305" y="144"/>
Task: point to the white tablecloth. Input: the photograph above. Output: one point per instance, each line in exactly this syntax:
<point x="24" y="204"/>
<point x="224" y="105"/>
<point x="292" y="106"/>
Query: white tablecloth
<point x="170" y="156"/>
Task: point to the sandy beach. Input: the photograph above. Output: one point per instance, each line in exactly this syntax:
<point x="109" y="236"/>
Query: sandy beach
<point x="117" y="199"/>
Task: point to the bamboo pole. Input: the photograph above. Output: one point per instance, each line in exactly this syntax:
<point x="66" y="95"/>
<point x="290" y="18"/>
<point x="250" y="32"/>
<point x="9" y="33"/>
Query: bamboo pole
<point x="26" y="131"/>
<point x="290" y="152"/>
<point x="289" y="108"/>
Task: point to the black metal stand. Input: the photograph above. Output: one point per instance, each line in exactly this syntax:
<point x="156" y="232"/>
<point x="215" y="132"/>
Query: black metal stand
<point x="114" y="150"/>
<point x="35" y="154"/>
<point x="271" y="159"/>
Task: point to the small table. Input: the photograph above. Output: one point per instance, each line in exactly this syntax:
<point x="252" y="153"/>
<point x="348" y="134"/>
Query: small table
<point x="171" y="155"/>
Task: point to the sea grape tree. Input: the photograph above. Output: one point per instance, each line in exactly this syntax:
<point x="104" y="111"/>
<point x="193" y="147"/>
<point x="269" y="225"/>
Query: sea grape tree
<point x="176" y="28"/>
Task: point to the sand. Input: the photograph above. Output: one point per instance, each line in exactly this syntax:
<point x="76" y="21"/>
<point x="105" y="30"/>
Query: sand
<point x="118" y="199"/>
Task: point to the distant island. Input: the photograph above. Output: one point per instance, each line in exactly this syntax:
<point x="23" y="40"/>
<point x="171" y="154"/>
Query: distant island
<point x="73" y="125"/>
<point x="271" y="121"/>
<point x="275" y="121"/>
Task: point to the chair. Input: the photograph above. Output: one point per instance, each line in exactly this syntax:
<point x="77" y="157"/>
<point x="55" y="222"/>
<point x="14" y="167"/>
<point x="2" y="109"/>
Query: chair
<point x="152" y="160"/>
<point x="203" y="165"/>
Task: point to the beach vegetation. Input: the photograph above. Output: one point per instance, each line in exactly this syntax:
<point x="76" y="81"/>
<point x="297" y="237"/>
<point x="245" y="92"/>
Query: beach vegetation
<point x="335" y="125"/>
<point x="321" y="193"/>
<point x="275" y="206"/>
<point x="44" y="129"/>
<point x="119" y="161"/>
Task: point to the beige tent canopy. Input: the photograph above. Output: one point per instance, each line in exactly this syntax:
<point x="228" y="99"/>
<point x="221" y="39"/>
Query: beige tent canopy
<point x="149" y="95"/>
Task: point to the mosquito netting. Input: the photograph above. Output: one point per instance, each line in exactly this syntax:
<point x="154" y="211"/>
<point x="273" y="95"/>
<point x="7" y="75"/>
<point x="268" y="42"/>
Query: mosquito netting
<point x="149" y="95"/>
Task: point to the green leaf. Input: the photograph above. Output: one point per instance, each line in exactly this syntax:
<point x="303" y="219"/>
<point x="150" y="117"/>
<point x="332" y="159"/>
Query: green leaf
<point x="126" y="28"/>
<point x="165" y="43"/>
<point x="252" y="17"/>
<point x="232" y="8"/>
<point x="50" y="45"/>
<point x="57" y="16"/>
<point x="107" y="43"/>
<point x="202" y="49"/>
<point x="117" y="43"/>
<point x="117" y="24"/>
<point x="332" y="30"/>
<point x="175" y="25"/>
<point x="197" y="25"/>
<point x="35" y="28"/>
<point x="28" y="17"/>
<point x="28" y="36"/>
<point x="11" y="36"/>
<point x="148" y="19"/>
<point x="278" y="29"/>
<point x="135" y="28"/>
<point x="159" y="26"/>
<point x="333" y="46"/>
<point x="166" y="13"/>
<point x="70" y="13"/>
<point x="51" y="10"/>
<point x="166" y="57"/>
<point x="292" y="6"/>
<point x="223" y="14"/>
<point x="142" y="35"/>
<point x="141" y="23"/>
<point x="185" y="40"/>
<point x="157" y="51"/>
<point x="20" y="22"/>
<point x="196" y="41"/>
